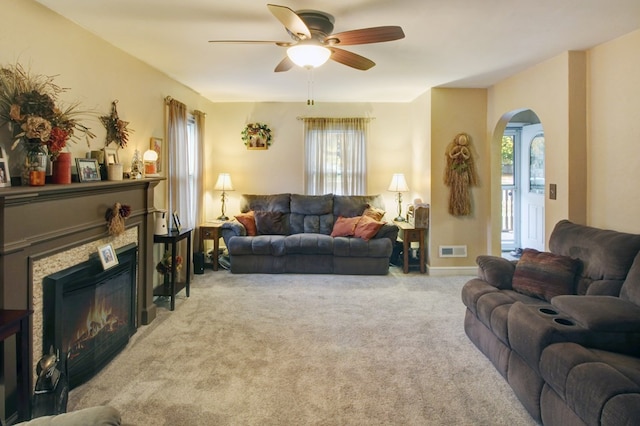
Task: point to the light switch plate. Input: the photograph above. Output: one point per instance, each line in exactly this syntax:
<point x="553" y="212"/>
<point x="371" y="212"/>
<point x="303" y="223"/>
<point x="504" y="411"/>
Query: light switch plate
<point x="552" y="191"/>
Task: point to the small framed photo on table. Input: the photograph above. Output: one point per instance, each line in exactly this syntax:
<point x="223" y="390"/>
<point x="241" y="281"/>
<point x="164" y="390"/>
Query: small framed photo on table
<point x="176" y="222"/>
<point x="107" y="256"/>
<point x="88" y="169"/>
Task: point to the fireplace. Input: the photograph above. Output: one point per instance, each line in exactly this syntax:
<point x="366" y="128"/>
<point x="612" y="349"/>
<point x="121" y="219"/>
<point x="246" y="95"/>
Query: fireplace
<point x="89" y="313"/>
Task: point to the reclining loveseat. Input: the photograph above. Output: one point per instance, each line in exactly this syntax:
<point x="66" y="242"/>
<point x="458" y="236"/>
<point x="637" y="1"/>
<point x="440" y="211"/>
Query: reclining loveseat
<point x="563" y="327"/>
<point x="319" y="234"/>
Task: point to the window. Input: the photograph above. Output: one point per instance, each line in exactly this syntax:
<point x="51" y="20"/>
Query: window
<point x="536" y="164"/>
<point x="335" y="160"/>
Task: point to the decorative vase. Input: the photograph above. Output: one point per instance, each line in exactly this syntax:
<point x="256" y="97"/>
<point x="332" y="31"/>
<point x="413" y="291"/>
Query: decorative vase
<point x="62" y="169"/>
<point x="115" y="171"/>
<point x="35" y="167"/>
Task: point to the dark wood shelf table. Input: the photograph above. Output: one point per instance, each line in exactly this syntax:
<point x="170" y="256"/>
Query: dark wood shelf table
<point x="16" y="322"/>
<point x="170" y="287"/>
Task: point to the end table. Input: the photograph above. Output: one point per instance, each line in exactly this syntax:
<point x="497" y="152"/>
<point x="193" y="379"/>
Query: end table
<point x="412" y="234"/>
<point x="211" y="231"/>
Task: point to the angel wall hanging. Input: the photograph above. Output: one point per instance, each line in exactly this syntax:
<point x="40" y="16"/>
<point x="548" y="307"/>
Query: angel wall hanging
<point x="460" y="174"/>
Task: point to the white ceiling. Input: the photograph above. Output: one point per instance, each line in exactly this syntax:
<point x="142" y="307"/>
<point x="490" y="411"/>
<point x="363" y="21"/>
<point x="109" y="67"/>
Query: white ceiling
<point x="450" y="43"/>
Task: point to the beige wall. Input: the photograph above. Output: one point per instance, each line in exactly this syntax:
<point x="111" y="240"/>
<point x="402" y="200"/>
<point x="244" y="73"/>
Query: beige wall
<point x="396" y="145"/>
<point x="614" y="134"/>
<point x="95" y="72"/>
<point x="555" y="91"/>
<point x="454" y="111"/>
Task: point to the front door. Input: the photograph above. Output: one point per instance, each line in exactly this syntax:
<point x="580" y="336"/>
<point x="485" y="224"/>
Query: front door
<point x="532" y="186"/>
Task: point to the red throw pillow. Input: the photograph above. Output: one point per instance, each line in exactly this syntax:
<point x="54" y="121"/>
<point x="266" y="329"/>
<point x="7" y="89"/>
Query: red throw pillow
<point x="367" y="228"/>
<point x="545" y="275"/>
<point x="248" y="221"/>
<point x="345" y="226"/>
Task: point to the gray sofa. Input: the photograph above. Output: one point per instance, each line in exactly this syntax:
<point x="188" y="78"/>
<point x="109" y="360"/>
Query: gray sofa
<point x="303" y="241"/>
<point x="571" y="352"/>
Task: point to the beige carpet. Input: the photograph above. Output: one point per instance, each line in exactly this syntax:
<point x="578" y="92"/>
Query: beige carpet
<point x="307" y="350"/>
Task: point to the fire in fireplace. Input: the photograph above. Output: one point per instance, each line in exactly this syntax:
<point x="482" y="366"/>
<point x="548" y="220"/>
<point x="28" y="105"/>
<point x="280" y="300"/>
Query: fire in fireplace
<point x="89" y="313"/>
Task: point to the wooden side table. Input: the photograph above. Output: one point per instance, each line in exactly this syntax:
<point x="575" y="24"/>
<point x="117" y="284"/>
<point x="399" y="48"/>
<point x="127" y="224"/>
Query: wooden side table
<point x="411" y="234"/>
<point x="16" y="322"/>
<point x="170" y="287"/>
<point x="211" y="231"/>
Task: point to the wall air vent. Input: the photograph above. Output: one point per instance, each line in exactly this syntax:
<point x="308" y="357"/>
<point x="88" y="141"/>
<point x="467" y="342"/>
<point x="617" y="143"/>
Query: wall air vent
<point x="453" y="251"/>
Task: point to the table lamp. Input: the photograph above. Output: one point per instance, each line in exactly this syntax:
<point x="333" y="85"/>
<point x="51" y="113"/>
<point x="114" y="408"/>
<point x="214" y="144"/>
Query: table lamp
<point x="399" y="184"/>
<point x="223" y="184"/>
<point x="150" y="158"/>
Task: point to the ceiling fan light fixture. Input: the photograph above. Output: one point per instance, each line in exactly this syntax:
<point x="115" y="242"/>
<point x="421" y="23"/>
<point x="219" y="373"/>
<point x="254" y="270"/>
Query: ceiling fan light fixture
<point x="308" y="55"/>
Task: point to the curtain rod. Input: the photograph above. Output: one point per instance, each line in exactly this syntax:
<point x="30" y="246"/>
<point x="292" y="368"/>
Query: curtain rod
<point x="324" y="118"/>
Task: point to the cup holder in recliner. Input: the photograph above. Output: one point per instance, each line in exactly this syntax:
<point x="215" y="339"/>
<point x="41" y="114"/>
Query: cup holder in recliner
<point x="563" y="321"/>
<point x="547" y="311"/>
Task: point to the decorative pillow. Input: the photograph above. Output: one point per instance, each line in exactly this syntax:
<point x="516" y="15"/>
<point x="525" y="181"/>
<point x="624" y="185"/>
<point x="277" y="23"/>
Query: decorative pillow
<point x="345" y="226"/>
<point x="373" y="212"/>
<point x="270" y="223"/>
<point x="248" y="221"/>
<point x="545" y="275"/>
<point x="367" y="228"/>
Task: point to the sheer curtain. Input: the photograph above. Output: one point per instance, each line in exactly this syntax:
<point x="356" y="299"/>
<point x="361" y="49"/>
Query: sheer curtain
<point x="177" y="139"/>
<point x="335" y="155"/>
<point x="198" y="171"/>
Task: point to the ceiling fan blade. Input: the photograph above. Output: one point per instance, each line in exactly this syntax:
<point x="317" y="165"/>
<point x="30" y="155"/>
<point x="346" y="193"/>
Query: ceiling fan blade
<point x="285" y="65"/>
<point x="290" y="20"/>
<point x="365" y="35"/>
<point x="278" y="43"/>
<point x="351" y="59"/>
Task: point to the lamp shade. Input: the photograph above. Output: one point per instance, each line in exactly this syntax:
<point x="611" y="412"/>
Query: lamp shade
<point x="308" y="55"/>
<point x="149" y="159"/>
<point x="150" y="155"/>
<point x="398" y="183"/>
<point x="224" y="182"/>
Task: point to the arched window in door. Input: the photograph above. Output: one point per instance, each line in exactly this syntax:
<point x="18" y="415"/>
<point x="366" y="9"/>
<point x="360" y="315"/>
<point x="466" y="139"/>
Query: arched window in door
<point x="536" y="164"/>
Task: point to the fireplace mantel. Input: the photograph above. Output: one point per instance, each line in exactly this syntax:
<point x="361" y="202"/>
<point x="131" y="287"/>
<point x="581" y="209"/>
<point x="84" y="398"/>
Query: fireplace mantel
<point x="38" y="222"/>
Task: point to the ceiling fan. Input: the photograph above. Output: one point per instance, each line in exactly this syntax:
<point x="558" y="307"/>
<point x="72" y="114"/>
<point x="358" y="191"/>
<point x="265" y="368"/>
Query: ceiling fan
<point x="313" y="42"/>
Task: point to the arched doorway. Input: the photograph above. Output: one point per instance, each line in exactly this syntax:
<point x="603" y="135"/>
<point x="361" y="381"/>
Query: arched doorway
<point x="522" y="183"/>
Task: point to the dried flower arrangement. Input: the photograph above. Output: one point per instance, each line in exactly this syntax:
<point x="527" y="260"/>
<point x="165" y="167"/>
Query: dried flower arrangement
<point x="28" y="104"/>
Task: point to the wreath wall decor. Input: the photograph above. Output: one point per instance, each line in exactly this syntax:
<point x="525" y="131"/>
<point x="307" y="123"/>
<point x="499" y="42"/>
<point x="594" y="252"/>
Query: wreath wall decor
<point x="460" y="174"/>
<point x="256" y="136"/>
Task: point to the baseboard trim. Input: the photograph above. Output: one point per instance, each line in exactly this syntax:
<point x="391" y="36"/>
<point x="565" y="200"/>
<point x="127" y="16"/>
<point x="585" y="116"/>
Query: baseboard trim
<point x="440" y="271"/>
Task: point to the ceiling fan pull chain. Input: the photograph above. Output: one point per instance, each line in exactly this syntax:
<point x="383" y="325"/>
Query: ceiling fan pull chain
<point x="310" y="100"/>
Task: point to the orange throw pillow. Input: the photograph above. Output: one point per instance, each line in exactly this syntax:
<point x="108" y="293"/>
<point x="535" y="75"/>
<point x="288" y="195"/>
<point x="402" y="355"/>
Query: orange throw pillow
<point x="367" y="228"/>
<point x="345" y="226"/>
<point x="373" y="212"/>
<point x="249" y="222"/>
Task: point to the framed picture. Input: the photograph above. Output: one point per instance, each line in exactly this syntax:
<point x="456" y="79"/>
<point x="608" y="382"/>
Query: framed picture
<point x="176" y="221"/>
<point x="5" y="179"/>
<point x="110" y="156"/>
<point x="107" y="256"/>
<point x="156" y="145"/>
<point x="88" y="169"/>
